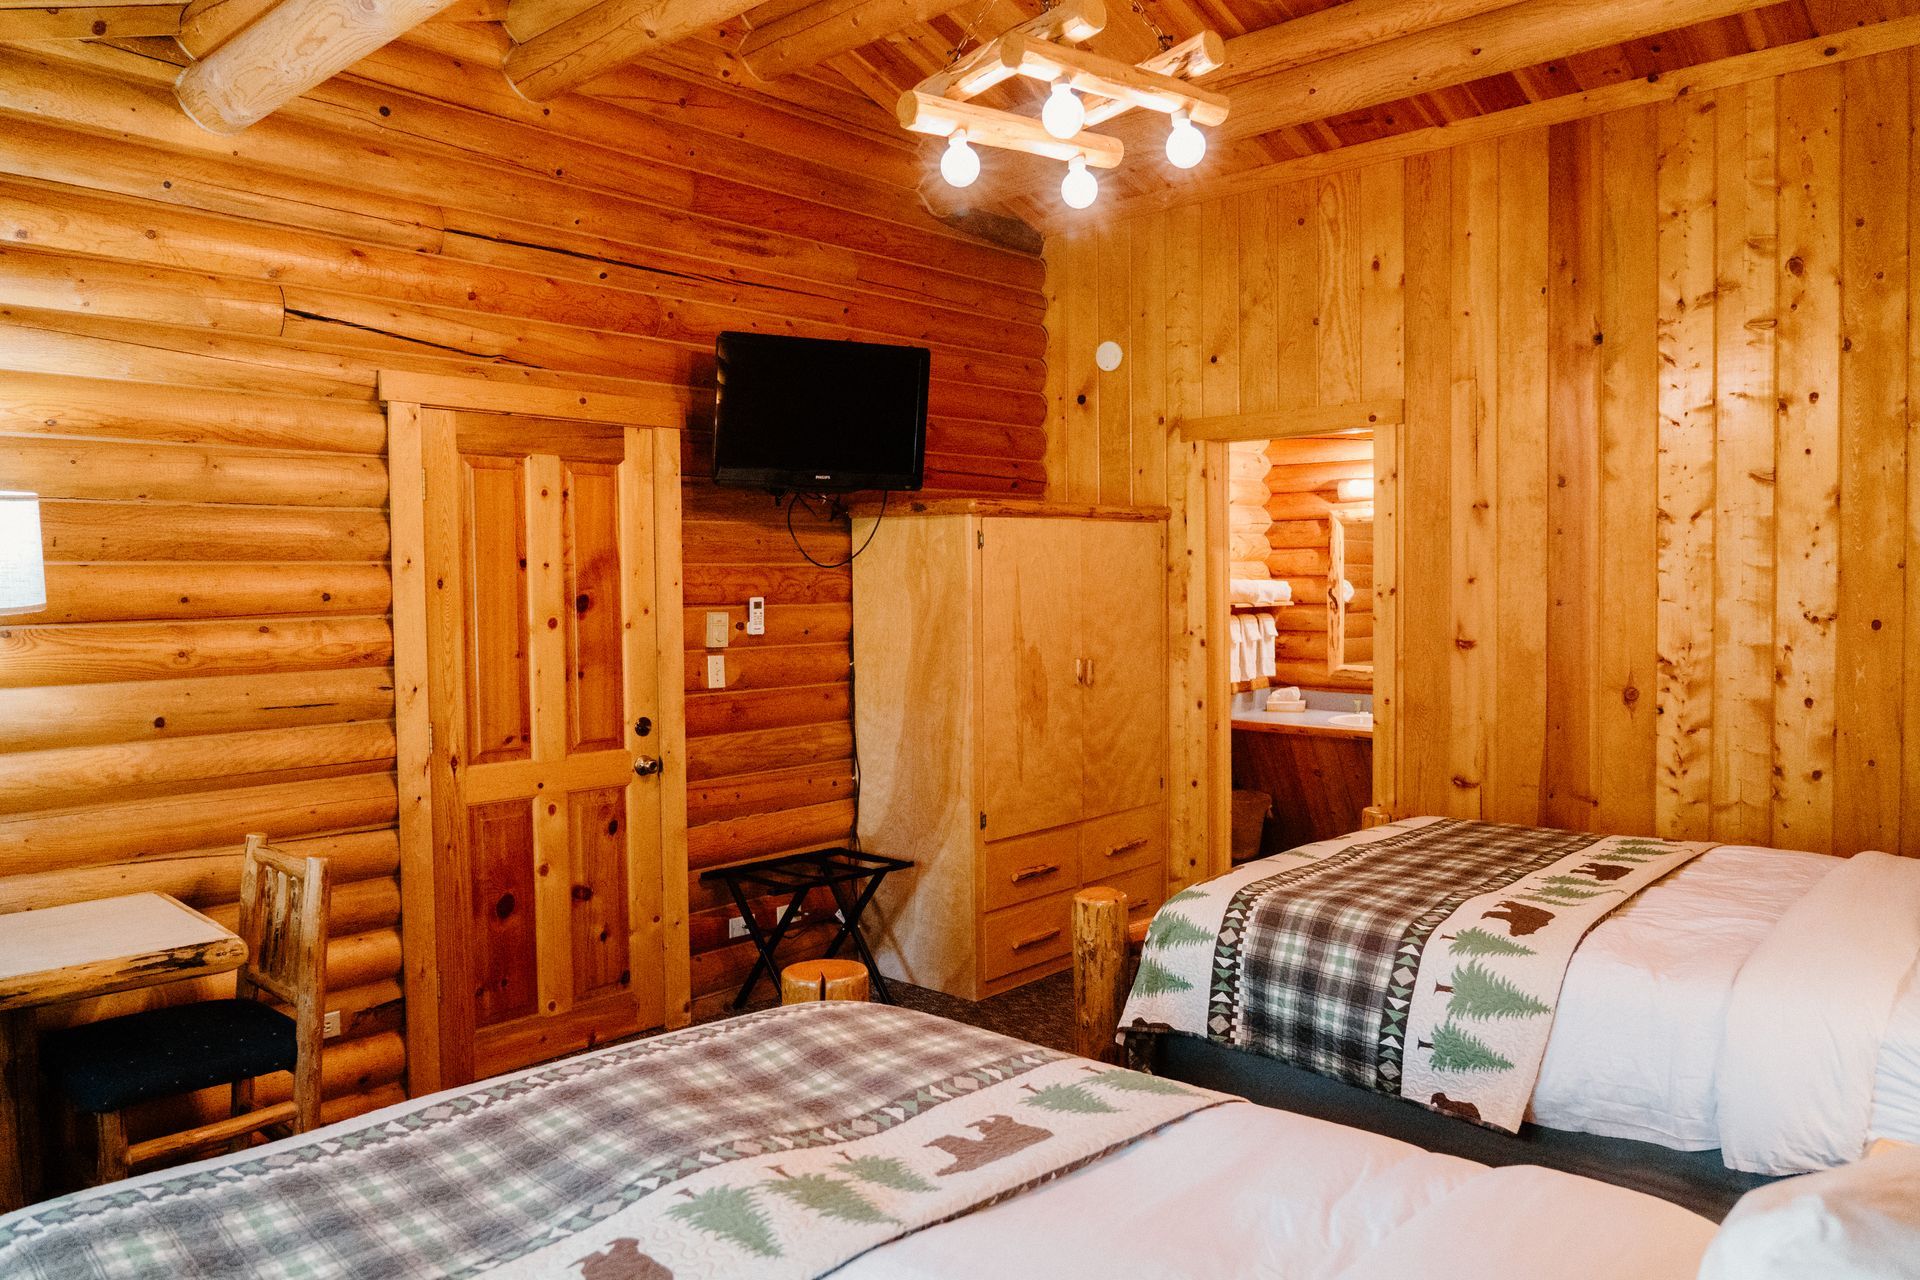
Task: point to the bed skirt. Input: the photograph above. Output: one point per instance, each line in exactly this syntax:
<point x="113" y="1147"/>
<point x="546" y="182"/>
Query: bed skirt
<point x="1695" y="1180"/>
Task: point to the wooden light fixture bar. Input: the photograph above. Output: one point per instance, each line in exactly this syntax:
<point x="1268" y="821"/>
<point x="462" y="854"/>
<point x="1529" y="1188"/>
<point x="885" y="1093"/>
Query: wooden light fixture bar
<point x="1042" y="49"/>
<point x="923" y="113"/>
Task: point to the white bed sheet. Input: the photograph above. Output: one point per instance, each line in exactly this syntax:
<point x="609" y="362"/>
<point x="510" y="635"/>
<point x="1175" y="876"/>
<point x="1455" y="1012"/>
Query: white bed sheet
<point x="1241" y="1191"/>
<point x="1636" y="1042"/>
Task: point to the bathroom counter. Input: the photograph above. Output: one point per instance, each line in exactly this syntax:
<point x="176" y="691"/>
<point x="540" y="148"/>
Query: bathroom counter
<point x="1250" y="714"/>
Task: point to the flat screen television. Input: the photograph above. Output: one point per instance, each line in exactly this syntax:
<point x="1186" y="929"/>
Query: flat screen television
<point x="814" y="416"/>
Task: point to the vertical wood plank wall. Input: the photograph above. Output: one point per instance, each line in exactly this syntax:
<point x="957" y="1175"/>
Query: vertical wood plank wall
<point x="190" y="327"/>
<point x="1653" y="489"/>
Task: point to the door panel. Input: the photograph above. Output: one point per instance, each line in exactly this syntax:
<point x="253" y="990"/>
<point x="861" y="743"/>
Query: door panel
<point x="495" y="517"/>
<point x="1120" y="581"/>
<point x="1031" y="726"/>
<point x="594" y="666"/>
<point x="545" y="534"/>
<point x="498" y="838"/>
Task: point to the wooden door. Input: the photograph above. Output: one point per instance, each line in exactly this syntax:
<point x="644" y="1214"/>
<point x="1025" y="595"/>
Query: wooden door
<point x="551" y="730"/>
<point x="1029" y="674"/>
<point x="1121" y="591"/>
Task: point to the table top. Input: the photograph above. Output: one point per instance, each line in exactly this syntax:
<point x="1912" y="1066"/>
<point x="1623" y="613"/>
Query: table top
<point x="94" y="948"/>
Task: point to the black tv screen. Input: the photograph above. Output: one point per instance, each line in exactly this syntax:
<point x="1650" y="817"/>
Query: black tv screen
<point x="815" y="416"/>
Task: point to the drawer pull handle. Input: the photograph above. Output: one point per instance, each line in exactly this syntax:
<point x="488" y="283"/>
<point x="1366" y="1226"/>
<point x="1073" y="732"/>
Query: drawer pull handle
<point x="1134" y="904"/>
<point x="1040" y="869"/>
<point x="1129" y="846"/>
<point x="1036" y="940"/>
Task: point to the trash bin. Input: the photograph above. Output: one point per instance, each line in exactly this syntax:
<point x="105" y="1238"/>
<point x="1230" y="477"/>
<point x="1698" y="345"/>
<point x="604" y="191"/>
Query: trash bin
<point x="1250" y="812"/>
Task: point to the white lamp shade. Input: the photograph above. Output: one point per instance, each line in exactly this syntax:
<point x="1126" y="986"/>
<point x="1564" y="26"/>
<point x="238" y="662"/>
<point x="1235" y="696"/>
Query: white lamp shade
<point x="1064" y="113"/>
<point x="23" y="575"/>
<point x="1079" y="187"/>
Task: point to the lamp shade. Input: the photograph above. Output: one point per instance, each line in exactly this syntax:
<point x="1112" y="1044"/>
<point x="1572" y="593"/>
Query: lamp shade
<point x="23" y="575"/>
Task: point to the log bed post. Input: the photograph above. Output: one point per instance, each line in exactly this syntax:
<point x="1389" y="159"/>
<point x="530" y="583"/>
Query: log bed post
<point x="1374" y="816"/>
<point x="1099" y="970"/>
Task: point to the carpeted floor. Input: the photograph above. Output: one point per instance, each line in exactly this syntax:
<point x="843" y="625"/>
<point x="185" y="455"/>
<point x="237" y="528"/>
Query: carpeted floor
<point x="1040" y="1012"/>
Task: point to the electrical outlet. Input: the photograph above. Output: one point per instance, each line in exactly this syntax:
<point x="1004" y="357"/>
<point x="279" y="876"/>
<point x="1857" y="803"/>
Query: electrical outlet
<point x="719" y="625"/>
<point x="757" y="616"/>
<point x="716" y="671"/>
<point x="736" y="927"/>
<point x="331" y="1026"/>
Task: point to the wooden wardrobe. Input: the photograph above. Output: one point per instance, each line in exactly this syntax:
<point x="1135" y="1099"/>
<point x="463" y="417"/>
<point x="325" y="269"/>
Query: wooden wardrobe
<point x="1010" y="701"/>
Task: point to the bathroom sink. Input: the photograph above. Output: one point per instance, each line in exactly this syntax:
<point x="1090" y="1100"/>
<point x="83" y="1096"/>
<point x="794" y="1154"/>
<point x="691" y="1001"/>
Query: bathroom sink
<point x="1352" y="720"/>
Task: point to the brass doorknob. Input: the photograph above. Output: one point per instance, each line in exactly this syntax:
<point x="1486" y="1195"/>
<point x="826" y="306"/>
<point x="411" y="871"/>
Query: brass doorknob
<point x="646" y="765"/>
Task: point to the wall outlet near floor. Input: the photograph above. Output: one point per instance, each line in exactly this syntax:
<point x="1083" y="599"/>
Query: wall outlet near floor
<point x="736" y="927"/>
<point x="757" y="616"/>
<point x="716" y="671"/>
<point x="330" y="1027"/>
<point x="719" y="627"/>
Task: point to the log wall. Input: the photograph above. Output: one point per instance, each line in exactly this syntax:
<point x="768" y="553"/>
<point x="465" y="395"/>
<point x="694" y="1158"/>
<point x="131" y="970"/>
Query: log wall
<point x="1645" y="524"/>
<point x="190" y="328"/>
<point x="1302" y="487"/>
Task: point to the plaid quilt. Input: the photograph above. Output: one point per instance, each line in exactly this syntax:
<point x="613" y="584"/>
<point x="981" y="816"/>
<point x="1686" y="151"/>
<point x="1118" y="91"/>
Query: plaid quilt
<point x="1422" y="958"/>
<point x="780" y="1144"/>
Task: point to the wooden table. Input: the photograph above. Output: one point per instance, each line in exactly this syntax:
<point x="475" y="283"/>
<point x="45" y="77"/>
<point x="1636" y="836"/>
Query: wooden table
<point x="70" y="953"/>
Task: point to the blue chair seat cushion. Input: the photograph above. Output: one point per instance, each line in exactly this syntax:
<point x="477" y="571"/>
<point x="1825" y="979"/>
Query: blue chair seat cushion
<point x="107" y="1066"/>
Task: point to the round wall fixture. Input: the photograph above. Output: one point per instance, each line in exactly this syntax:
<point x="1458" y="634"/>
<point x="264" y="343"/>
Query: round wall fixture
<point x="1107" y="355"/>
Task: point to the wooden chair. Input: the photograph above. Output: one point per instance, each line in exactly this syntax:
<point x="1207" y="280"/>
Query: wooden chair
<point x="105" y="1067"/>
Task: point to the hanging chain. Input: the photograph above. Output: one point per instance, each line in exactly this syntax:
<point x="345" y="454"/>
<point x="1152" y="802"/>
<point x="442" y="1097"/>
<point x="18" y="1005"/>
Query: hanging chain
<point x="966" y="35"/>
<point x="1159" y="32"/>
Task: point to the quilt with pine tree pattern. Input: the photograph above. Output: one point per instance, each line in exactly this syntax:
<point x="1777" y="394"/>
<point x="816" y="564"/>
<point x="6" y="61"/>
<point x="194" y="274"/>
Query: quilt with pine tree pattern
<point x="1422" y="958"/>
<point x="776" y="1145"/>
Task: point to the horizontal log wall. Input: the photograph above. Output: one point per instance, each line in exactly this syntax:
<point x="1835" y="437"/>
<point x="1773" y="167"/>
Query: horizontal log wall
<point x="190" y="328"/>
<point x="1302" y="496"/>
<point x="1653" y="486"/>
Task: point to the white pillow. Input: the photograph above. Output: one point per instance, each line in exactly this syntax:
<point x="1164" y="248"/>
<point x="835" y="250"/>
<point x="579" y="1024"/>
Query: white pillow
<point x="1858" y="1222"/>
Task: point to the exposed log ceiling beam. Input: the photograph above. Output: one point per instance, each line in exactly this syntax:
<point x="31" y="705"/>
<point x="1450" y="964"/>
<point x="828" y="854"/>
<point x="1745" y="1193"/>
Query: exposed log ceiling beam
<point x="288" y="51"/>
<point x="1506" y="39"/>
<point x="828" y="28"/>
<point x="1763" y="64"/>
<point x="208" y="24"/>
<point x="94" y="22"/>
<point x="606" y="35"/>
<point x="1356" y="24"/>
<point x="528" y="18"/>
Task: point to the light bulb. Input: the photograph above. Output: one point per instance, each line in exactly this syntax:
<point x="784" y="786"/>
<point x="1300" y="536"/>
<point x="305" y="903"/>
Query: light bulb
<point x="1064" y="113"/>
<point x="1078" y="188"/>
<point x="1186" y="144"/>
<point x="959" y="163"/>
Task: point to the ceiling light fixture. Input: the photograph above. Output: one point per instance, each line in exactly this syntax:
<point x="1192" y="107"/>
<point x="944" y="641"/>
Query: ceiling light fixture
<point x="960" y="163"/>
<point x="1078" y="188"/>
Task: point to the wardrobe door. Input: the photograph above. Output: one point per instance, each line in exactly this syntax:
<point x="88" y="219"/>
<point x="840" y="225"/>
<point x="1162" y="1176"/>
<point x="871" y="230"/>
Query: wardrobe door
<point x="1123" y="619"/>
<point x="1030" y="664"/>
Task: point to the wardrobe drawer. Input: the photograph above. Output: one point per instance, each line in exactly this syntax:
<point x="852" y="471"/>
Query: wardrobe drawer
<point x="1120" y="842"/>
<point x="1029" y="934"/>
<point x="1028" y="867"/>
<point x="1144" y="889"/>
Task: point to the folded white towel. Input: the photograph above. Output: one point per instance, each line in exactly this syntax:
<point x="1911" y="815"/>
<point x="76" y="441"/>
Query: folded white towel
<point x="1269" y="635"/>
<point x="1236" y="636"/>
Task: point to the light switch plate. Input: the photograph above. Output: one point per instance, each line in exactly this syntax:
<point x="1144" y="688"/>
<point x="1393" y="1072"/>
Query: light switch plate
<point x="716" y="671"/>
<point x="718" y="627"/>
<point x="330" y="1027"/>
<point x="757" y="616"/>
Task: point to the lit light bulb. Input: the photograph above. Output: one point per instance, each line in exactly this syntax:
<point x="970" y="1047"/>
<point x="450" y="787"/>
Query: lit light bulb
<point x="1078" y="188"/>
<point x="959" y="163"/>
<point x="1186" y="144"/>
<point x="1064" y="113"/>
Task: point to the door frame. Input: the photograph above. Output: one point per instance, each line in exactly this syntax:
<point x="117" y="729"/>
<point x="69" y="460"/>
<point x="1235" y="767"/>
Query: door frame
<point x="432" y="1018"/>
<point x="1387" y="419"/>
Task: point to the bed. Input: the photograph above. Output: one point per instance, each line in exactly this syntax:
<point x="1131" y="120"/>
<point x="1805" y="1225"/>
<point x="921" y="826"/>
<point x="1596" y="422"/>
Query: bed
<point x="864" y="1140"/>
<point x="1720" y="1015"/>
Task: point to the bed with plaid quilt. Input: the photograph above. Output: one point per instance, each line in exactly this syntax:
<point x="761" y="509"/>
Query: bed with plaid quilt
<point x="780" y="1144"/>
<point x="1422" y="958"/>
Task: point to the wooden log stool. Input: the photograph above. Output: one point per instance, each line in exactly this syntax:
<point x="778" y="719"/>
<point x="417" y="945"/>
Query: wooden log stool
<point x="810" y="980"/>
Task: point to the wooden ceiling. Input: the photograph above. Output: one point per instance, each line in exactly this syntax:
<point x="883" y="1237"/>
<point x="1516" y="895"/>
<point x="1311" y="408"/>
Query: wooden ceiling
<point x="1304" y="76"/>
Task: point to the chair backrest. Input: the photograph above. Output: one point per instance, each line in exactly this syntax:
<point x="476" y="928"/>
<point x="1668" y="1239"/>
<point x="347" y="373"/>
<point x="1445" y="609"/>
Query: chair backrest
<point x="283" y="921"/>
